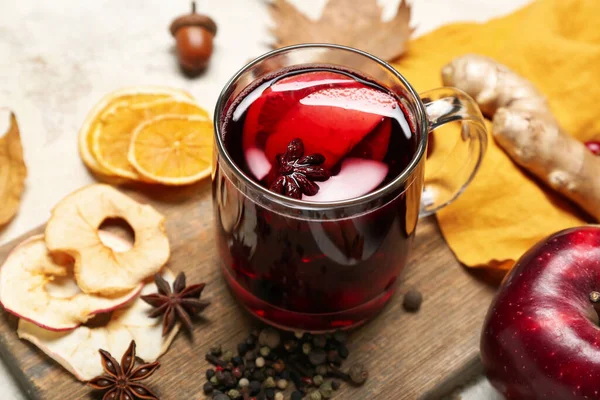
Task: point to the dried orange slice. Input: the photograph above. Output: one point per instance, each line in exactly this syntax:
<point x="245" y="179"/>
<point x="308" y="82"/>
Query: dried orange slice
<point x="126" y="96"/>
<point x="110" y="142"/>
<point x="173" y="149"/>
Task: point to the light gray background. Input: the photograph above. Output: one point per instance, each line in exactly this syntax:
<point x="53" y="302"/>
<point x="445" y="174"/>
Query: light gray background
<point x="57" y="58"/>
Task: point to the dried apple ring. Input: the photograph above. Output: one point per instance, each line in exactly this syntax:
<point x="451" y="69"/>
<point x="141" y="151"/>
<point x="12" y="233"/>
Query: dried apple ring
<point x="34" y="287"/>
<point x="73" y="229"/>
<point x="77" y="350"/>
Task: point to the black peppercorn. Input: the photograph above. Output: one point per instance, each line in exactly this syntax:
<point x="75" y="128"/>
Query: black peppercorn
<point x="251" y="340"/>
<point x="412" y="300"/>
<point x="208" y="388"/>
<point x="242" y="348"/>
<point x="279" y="366"/>
<point x="270" y="393"/>
<point x="340" y="337"/>
<point x="221" y="396"/>
<point x="258" y="375"/>
<point x="216" y="350"/>
<point x="317" y="356"/>
<point x="294" y="377"/>
<point x="319" y="341"/>
<point x="334" y="357"/>
<point x="237" y="360"/>
<point x="210" y="373"/>
<point x="297" y="395"/>
<point x="229" y="381"/>
<point x="261" y="367"/>
<point x="343" y="351"/>
<point x="214" y="360"/>
<point x="290" y="345"/>
<point x="250" y="355"/>
<point x="254" y="387"/>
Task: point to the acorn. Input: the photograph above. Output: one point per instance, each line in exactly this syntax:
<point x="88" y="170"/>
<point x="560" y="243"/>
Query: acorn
<point x="194" y="34"/>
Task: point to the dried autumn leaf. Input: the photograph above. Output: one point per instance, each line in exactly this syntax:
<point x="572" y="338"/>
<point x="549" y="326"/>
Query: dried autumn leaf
<point x="12" y="172"/>
<point x="354" y="23"/>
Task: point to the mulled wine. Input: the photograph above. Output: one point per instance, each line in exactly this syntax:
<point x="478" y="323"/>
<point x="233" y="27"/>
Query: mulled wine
<point x="318" y="135"/>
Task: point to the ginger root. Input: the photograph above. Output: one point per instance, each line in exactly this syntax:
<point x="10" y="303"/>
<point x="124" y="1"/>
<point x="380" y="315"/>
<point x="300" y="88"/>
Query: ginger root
<point x="523" y="125"/>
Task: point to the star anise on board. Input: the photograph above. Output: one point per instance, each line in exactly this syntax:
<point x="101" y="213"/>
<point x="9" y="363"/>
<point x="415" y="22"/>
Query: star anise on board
<point x="354" y="23"/>
<point x="297" y="173"/>
<point x="180" y="303"/>
<point x="122" y="382"/>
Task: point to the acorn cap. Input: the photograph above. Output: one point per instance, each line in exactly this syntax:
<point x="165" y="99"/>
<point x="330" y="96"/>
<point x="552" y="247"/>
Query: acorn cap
<point x="194" y="20"/>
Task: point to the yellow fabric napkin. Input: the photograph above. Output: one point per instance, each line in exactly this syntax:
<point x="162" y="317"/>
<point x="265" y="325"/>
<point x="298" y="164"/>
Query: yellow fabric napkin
<point x="556" y="45"/>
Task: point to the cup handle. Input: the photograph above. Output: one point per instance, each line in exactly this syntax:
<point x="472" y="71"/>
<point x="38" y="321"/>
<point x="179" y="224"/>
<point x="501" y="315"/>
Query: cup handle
<point x="443" y="186"/>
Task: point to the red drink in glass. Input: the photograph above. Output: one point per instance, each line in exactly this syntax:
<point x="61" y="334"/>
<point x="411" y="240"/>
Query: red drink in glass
<point x="317" y="187"/>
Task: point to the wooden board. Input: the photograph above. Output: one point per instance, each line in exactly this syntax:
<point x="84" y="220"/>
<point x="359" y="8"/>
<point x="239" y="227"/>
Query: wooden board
<point x="409" y="355"/>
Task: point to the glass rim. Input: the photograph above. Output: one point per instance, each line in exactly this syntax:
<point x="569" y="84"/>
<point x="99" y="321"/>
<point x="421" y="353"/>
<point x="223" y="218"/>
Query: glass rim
<point x="402" y="178"/>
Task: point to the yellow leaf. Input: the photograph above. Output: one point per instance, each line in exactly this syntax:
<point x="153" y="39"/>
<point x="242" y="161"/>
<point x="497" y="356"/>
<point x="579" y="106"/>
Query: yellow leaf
<point x="12" y="172"/>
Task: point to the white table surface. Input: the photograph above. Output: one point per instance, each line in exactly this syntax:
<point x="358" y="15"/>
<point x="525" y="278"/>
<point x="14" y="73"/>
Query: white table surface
<point x="57" y="58"/>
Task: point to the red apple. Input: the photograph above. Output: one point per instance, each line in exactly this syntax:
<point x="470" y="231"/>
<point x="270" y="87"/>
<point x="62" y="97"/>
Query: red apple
<point x="541" y="338"/>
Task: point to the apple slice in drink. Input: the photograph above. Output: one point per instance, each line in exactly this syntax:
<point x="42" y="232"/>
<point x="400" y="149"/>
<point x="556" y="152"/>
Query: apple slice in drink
<point x="272" y="105"/>
<point x="332" y="122"/>
<point x="357" y="176"/>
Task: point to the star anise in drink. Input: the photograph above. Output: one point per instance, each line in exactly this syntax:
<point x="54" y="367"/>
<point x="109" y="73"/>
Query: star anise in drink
<point x="179" y="303"/>
<point x="297" y="173"/>
<point x="122" y="382"/>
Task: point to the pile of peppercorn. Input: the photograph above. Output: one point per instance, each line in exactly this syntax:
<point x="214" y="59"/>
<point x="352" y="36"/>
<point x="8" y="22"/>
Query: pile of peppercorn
<point x="267" y="362"/>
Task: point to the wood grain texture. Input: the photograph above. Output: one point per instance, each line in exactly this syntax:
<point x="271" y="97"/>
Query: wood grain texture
<point x="408" y="355"/>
